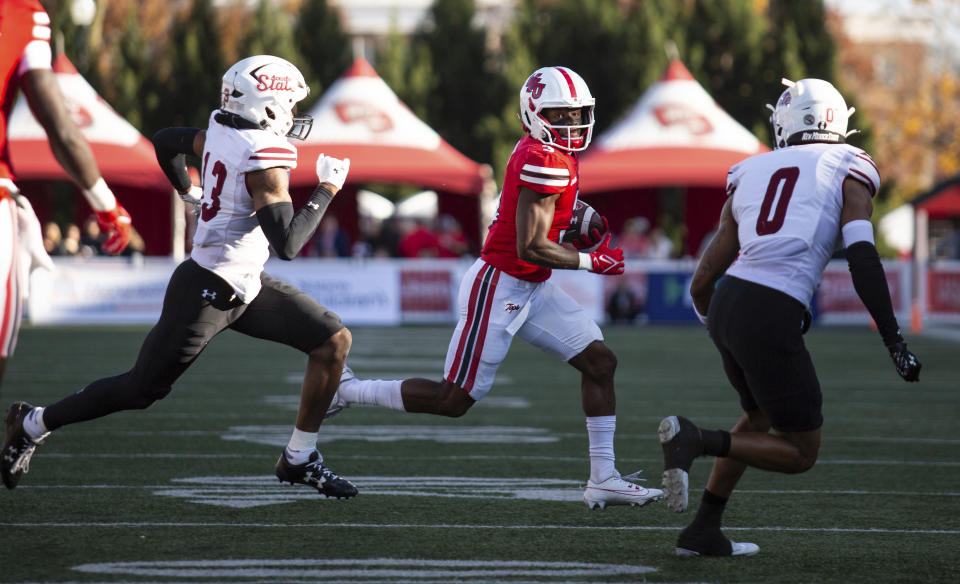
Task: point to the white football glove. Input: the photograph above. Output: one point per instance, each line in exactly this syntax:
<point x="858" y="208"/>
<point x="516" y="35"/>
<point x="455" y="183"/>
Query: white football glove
<point x="332" y="170"/>
<point x="192" y="196"/>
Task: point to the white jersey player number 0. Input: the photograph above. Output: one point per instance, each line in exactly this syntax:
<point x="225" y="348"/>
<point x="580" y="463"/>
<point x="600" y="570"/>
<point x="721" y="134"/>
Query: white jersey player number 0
<point x="782" y="182"/>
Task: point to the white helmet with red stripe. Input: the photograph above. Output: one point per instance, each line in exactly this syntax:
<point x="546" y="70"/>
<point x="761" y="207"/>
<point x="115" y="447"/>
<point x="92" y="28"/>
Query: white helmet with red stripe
<point x="809" y="111"/>
<point x="264" y="90"/>
<point x="557" y="87"/>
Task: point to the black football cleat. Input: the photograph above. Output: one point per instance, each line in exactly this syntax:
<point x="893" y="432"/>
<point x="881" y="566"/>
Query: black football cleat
<point x="17" y="446"/>
<point x="710" y="541"/>
<point x="314" y="474"/>
<point x="681" y="443"/>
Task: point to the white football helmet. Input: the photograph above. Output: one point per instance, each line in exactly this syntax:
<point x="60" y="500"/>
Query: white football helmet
<point x="264" y="90"/>
<point x="810" y="110"/>
<point x="557" y="87"/>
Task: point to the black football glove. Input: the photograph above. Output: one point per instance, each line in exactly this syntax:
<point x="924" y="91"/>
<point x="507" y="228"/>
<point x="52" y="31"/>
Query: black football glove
<point x="907" y="364"/>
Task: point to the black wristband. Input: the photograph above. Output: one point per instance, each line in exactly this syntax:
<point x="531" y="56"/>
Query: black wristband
<point x="870" y="282"/>
<point x="171" y="146"/>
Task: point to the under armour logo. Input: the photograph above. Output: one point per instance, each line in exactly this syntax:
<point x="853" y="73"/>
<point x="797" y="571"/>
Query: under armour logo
<point x="208" y="295"/>
<point x="313" y="205"/>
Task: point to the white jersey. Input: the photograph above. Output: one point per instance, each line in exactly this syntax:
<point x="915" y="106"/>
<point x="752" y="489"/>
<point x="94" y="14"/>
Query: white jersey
<point x="787" y="207"/>
<point x="229" y="240"/>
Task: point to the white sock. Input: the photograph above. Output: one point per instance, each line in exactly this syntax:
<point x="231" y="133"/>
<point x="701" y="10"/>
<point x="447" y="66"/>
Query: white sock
<point x="33" y="424"/>
<point x="375" y="392"/>
<point x="300" y="446"/>
<point x="600" y="430"/>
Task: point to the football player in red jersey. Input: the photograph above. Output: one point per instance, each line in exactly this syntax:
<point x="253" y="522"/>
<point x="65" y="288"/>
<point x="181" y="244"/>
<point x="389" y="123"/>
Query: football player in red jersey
<point x="25" y="63"/>
<point x="787" y="209"/>
<point x="507" y="292"/>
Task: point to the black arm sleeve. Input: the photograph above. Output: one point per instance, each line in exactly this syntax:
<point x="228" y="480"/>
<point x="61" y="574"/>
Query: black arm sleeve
<point x="871" y="286"/>
<point x="286" y="232"/>
<point x="172" y="145"/>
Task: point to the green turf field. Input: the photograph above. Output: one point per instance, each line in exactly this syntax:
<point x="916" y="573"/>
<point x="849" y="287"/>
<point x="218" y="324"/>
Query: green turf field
<point x="184" y="492"/>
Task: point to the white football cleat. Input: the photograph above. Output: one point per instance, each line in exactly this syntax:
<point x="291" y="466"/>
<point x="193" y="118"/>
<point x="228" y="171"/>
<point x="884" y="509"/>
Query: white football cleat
<point x="338" y="404"/>
<point x="616" y="491"/>
<point x="739" y="549"/>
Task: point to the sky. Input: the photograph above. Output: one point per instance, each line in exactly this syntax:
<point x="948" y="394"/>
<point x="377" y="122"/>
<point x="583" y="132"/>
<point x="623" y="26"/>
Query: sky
<point x="942" y="15"/>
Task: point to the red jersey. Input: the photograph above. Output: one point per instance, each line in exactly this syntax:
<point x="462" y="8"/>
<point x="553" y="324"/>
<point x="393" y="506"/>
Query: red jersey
<point x="542" y="169"/>
<point x="21" y="23"/>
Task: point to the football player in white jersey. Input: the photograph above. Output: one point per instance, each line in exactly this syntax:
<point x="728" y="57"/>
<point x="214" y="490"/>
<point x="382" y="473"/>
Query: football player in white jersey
<point x="245" y="208"/>
<point x="787" y="210"/>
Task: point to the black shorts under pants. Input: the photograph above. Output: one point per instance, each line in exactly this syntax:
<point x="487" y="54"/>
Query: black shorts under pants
<point x="758" y="332"/>
<point x="199" y="304"/>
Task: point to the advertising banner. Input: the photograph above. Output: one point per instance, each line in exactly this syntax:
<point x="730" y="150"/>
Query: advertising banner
<point x="837" y="300"/>
<point x="391" y="291"/>
<point x="108" y="291"/>
<point x="668" y="297"/>
<point x="365" y="292"/>
<point x="944" y="291"/>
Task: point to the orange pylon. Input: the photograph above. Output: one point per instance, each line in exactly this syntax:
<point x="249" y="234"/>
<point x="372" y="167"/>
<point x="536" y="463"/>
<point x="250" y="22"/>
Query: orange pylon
<point x="916" y="318"/>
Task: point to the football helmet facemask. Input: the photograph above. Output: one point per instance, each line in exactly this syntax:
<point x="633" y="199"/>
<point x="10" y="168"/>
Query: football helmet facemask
<point x="557" y="87"/>
<point x="809" y="110"/>
<point x="264" y="90"/>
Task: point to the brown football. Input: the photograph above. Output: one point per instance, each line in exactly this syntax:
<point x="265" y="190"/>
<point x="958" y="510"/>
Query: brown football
<point x="584" y="220"/>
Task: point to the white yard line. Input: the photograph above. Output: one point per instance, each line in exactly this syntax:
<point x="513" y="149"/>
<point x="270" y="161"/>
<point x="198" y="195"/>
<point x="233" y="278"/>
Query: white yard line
<point x="189" y="455"/>
<point x="591" y="528"/>
<point x="553" y="482"/>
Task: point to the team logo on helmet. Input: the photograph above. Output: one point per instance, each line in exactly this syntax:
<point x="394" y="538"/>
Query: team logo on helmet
<point x="274" y="83"/>
<point x="535" y="86"/>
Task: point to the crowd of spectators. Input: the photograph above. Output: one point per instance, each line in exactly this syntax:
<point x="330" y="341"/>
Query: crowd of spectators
<point x="72" y="240"/>
<point x="639" y="241"/>
<point x="444" y="237"/>
<point x="396" y="236"/>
